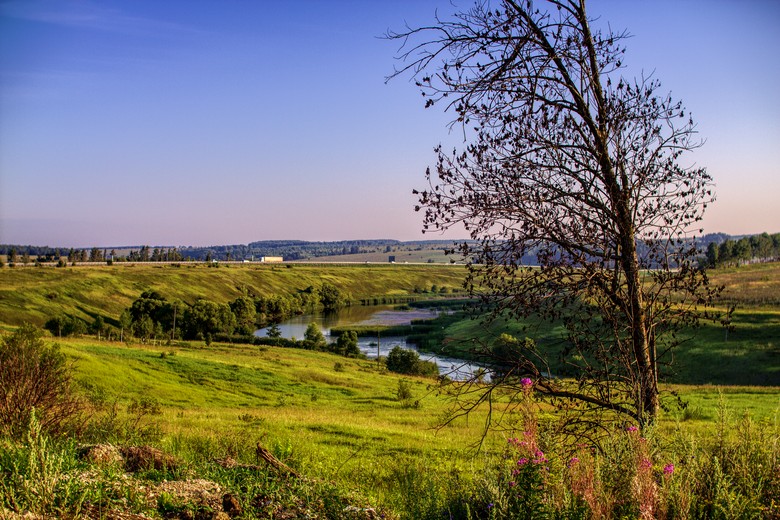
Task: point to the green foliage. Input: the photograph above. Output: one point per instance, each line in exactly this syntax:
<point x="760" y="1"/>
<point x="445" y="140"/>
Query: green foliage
<point x="404" y="361"/>
<point x="206" y="318"/>
<point x="62" y="326"/>
<point x="347" y="345"/>
<point x="34" y="376"/>
<point x="331" y="298"/>
<point x="404" y="391"/>
<point x="32" y="475"/>
<point x="243" y="309"/>
<point x="752" y="249"/>
<point x="313" y="337"/>
<point x="274" y="331"/>
<point x="98" y="326"/>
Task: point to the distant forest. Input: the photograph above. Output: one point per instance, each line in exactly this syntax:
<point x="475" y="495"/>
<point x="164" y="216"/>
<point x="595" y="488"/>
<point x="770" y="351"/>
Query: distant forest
<point x="717" y="249"/>
<point x="288" y="249"/>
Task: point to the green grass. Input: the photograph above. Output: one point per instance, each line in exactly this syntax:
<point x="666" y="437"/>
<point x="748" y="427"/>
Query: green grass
<point x="345" y="425"/>
<point x="750" y="285"/>
<point x="35" y="294"/>
<point x="277" y="395"/>
<point x="299" y="394"/>
<point x="747" y="355"/>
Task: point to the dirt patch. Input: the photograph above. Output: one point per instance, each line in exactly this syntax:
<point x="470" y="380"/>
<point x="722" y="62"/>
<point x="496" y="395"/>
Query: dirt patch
<point x="138" y="458"/>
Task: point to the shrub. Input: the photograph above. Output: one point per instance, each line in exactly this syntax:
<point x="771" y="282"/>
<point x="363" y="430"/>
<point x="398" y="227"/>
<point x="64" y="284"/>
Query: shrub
<point x="404" y="391"/>
<point x="403" y="361"/>
<point x="314" y="338"/>
<point x="347" y="344"/>
<point x="34" y="376"/>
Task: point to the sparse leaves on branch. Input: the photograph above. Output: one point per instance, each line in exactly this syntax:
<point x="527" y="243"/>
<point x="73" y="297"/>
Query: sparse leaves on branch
<point x="567" y="159"/>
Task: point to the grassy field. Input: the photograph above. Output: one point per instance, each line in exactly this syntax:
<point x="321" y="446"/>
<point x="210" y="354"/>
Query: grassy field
<point x="340" y="421"/>
<point x="35" y="294"/>
<point x="270" y="391"/>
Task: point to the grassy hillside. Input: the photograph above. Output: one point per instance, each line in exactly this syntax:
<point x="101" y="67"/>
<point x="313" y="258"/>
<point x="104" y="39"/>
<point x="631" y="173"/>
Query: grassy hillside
<point x="338" y="420"/>
<point x="324" y="405"/>
<point x="35" y="294"/>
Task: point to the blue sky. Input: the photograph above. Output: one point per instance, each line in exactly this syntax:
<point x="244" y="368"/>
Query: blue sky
<point x="223" y="122"/>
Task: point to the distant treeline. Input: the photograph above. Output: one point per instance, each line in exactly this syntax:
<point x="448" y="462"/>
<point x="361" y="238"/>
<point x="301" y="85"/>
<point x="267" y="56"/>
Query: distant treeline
<point x="31" y="254"/>
<point x="718" y="249"/>
<point x="288" y="249"/>
<point x="745" y="250"/>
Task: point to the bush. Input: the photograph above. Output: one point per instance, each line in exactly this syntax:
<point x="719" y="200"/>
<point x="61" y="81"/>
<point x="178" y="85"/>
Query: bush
<point x="34" y="376"/>
<point x="404" y="391"/>
<point x="62" y="326"/>
<point x="347" y="345"/>
<point x="403" y="361"/>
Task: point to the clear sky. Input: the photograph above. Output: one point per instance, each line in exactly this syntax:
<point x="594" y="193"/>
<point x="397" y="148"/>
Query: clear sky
<point x="197" y="122"/>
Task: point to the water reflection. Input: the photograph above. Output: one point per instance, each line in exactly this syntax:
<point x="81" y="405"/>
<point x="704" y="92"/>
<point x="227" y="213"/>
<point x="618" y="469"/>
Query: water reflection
<point x="295" y="328"/>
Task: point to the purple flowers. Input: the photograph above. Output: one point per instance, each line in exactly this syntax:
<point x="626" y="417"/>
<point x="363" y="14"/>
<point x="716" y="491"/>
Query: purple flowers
<point x="669" y="469"/>
<point x="572" y="462"/>
<point x="632" y="429"/>
<point x="526" y="383"/>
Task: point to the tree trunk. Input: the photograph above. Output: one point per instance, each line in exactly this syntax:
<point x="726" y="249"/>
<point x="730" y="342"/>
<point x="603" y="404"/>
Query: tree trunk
<point x="648" y="404"/>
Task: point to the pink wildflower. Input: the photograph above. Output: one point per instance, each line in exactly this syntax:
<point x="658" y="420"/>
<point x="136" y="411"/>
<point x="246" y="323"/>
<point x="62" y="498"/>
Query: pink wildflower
<point x="526" y="383"/>
<point x="669" y="469"/>
<point x="512" y="484"/>
<point x="632" y="429"/>
<point x="522" y="461"/>
<point x="572" y="461"/>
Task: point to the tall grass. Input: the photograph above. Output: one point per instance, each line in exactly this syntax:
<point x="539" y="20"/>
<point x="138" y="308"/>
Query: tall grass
<point x="732" y="471"/>
<point x="360" y="446"/>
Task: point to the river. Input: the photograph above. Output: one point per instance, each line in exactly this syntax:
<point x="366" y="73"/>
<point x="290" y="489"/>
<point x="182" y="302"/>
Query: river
<point x="295" y="327"/>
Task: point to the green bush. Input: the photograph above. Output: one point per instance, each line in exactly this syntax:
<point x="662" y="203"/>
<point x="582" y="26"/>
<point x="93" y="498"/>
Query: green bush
<point x="63" y="326"/>
<point x="404" y="392"/>
<point x="34" y="376"/>
<point x="403" y="361"/>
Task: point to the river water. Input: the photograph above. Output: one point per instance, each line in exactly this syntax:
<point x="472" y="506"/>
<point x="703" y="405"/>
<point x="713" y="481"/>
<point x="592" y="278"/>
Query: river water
<point x="295" y="327"/>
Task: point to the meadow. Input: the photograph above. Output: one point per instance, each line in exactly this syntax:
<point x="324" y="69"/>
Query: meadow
<point x="369" y="442"/>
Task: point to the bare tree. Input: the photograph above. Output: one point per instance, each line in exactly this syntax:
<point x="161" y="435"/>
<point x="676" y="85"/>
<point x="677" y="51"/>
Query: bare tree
<point x="567" y="160"/>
